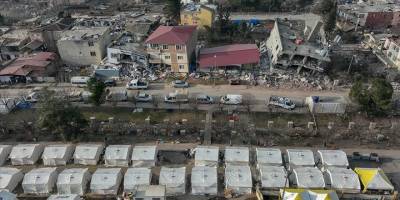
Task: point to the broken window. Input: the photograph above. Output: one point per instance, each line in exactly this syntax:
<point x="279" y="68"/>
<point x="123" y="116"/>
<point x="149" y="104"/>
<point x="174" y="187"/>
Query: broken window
<point x="181" y="66"/>
<point x="154" y="46"/>
<point x="114" y="55"/>
<point x="90" y="43"/>
<point x="92" y="53"/>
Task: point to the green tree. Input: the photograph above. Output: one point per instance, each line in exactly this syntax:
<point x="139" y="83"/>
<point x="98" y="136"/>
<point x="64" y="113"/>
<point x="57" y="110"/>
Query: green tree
<point x="59" y="116"/>
<point x="97" y="88"/>
<point x="2" y="21"/>
<point x="173" y="10"/>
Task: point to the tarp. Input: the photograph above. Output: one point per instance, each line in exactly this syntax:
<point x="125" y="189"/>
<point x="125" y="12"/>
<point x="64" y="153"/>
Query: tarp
<point x="26" y="154"/>
<point x="300" y="157"/>
<point x="174" y="180"/>
<point x="374" y="179"/>
<point x="88" y="154"/>
<point x="343" y="179"/>
<point x="268" y="156"/>
<point x="10" y="178"/>
<point x="144" y="156"/>
<point x="5" y="151"/>
<point x="302" y="194"/>
<point x="106" y="181"/>
<point x="136" y="178"/>
<point x="117" y="155"/>
<point x="40" y="181"/>
<point x="64" y="197"/>
<point x="273" y="177"/>
<point x="73" y="181"/>
<point x="6" y="195"/>
<point x="204" y="180"/>
<point x="206" y="156"/>
<point x="333" y="158"/>
<point x="238" y="179"/>
<point x="57" y="154"/>
<point x="237" y="155"/>
<point x="308" y="177"/>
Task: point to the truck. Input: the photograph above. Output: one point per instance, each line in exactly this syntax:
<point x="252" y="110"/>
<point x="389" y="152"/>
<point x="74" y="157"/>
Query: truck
<point x="283" y="102"/>
<point x="137" y="84"/>
<point x="179" y="96"/>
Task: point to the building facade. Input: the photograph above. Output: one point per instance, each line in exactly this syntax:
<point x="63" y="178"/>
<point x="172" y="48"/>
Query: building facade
<point x="392" y="51"/>
<point x="197" y="15"/>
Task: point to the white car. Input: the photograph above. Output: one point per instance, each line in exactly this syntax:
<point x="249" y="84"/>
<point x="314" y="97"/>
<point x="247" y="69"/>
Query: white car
<point x="143" y="97"/>
<point x="231" y="99"/>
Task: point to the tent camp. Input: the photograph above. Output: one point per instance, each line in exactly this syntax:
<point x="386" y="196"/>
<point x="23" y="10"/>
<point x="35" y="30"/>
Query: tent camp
<point x="10" y="178"/>
<point x="174" y="180"/>
<point x="374" y="179"/>
<point x="302" y="194"/>
<point x="144" y="156"/>
<point x="237" y="155"/>
<point x="40" y="181"/>
<point x="64" y="197"/>
<point x="307" y="177"/>
<point x="26" y="154"/>
<point x="73" y="181"/>
<point x="273" y="177"/>
<point x="117" y="155"/>
<point x="106" y="181"/>
<point x="300" y="158"/>
<point x="342" y="179"/>
<point x="57" y="154"/>
<point x="238" y="179"/>
<point x="6" y="195"/>
<point x="5" y="151"/>
<point x="151" y="192"/>
<point x="88" y="154"/>
<point x="332" y="158"/>
<point x="136" y="179"/>
<point x="206" y="156"/>
<point x="268" y="156"/>
<point x="204" y="180"/>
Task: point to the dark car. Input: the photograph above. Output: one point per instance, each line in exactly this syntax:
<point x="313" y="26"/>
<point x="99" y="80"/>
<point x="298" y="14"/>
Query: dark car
<point x="180" y="84"/>
<point x="110" y="83"/>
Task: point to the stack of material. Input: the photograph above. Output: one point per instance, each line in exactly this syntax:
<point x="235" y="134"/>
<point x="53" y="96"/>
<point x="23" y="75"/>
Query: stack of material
<point x="106" y="181"/>
<point x="5" y="151"/>
<point x="26" y="154"/>
<point x="73" y="181"/>
<point x="137" y="179"/>
<point x="342" y="179"/>
<point x="117" y="155"/>
<point x="237" y="156"/>
<point x="374" y="179"/>
<point x="273" y="177"/>
<point x="204" y="180"/>
<point x="40" y="181"/>
<point x="57" y="154"/>
<point x="144" y="156"/>
<point x="238" y="179"/>
<point x="64" y="197"/>
<point x="308" y="178"/>
<point x="174" y="180"/>
<point x="332" y="158"/>
<point x="206" y="156"/>
<point x="268" y="156"/>
<point x="10" y="178"/>
<point x="88" y="154"/>
<point x="300" y="158"/>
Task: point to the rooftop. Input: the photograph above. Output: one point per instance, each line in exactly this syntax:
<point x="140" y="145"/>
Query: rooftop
<point x="127" y="42"/>
<point x="83" y="33"/>
<point x="369" y="7"/>
<point x="171" y="35"/>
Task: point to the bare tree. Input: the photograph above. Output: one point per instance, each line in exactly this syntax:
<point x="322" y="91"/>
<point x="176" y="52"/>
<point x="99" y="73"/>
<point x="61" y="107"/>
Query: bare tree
<point x="248" y="101"/>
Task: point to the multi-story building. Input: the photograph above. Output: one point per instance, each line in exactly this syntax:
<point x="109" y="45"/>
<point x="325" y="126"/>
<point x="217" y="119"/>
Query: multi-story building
<point x="126" y="52"/>
<point x="84" y="46"/>
<point x="392" y="51"/>
<point x="173" y="46"/>
<point x="198" y="15"/>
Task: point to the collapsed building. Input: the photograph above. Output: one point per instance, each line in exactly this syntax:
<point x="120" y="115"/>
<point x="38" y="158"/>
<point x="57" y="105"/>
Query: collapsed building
<point x="293" y="44"/>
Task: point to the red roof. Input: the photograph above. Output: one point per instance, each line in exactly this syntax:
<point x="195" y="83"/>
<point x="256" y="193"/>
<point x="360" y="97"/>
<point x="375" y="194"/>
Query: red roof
<point x="171" y="35"/>
<point x="236" y="54"/>
<point x="25" y="65"/>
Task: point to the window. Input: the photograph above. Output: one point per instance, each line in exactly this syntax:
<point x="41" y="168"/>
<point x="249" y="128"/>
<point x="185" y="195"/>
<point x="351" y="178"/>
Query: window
<point x="154" y="46"/>
<point x="92" y="53"/>
<point x="156" y="198"/>
<point x="181" y="66"/>
<point x="180" y="57"/>
<point x="114" y="55"/>
<point x="90" y="43"/>
<point x="178" y="47"/>
<point x="165" y="46"/>
<point x="167" y="57"/>
<point x="139" y="198"/>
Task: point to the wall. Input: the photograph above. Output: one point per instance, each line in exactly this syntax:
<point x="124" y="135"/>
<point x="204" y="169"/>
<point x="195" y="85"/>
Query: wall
<point x="377" y="20"/>
<point x="273" y="42"/>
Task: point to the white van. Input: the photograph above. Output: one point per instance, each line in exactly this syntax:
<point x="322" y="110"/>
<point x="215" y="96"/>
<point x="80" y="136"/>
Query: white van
<point x="231" y="99"/>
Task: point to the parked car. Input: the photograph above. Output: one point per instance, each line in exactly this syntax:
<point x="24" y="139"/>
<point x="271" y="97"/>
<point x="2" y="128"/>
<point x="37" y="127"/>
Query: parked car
<point x="180" y="84"/>
<point x="177" y="97"/>
<point x="137" y="84"/>
<point x="143" y="97"/>
<point x="110" y="83"/>
<point x="283" y="102"/>
<point x="231" y="99"/>
<point x="118" y="95"/>
<point x="204" y="99"/>
<point x="234" y="82"/>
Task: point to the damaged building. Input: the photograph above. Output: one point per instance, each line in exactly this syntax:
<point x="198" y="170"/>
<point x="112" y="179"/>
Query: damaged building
<point x="293" y="44"/>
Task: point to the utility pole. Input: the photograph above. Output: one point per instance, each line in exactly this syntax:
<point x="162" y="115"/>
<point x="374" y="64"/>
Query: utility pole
<point x="215" y="66"/>
<point x="351" y="62"/>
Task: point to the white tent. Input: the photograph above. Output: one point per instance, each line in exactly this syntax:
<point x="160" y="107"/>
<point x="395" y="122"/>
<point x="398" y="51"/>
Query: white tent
<point x="6" y="195"/>
<point x="238" y="179"/>
<point x="273" y="177"/>
<point x="26" y="154"/>
<point x="144" y="156"/>
<point x="88" y="154"/>
<point x="332" y="158"/>
<point x="106" y="181"/>
<point x="206" y="156"/>
<point x="5" y="151"/>
<point x="268" y="156"/>
<point x="40" y="181"/>
<point x="303" y="194"/>
<point x="204" y="180"/>
<point x="151" y="192"/>
<point x="342" y="179"/>
<point x="73" y="181"/>
<point x="300" y="158"/>
<point x="174" y="180"/>
<point x="57" y="154"/>
<point x="308" y="178"/>
<point x="136" y="178"/>
<point x="64" y="197"/>
<point x="374" y="179"/>
<point x="10" y="178"/>
<point x="117" y="155"/>
<point x="237" y="155"/>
